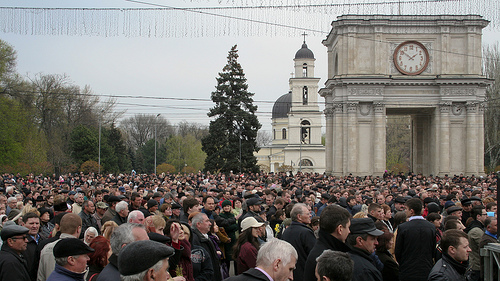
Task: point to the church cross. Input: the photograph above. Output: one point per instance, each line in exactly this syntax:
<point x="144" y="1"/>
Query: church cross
<point x="304" y="34"/>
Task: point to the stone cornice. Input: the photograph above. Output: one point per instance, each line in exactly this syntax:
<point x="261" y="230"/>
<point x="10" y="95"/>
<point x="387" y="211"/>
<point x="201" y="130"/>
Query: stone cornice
<point x="424" y="81"/>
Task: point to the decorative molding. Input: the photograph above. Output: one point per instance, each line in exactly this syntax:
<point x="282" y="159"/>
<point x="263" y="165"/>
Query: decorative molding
<point x="379" y="107"/>
<point x="471" y="107"/>
<point x="457" y="109"/>
<point x="338" y="107"/>
<point x="459" y="91"/>
<point x="352" y="107"/>
<point x="365" y="109"/>
<point x="365" y="91"/>
<point x="445" y="107"/>
<point x="481" y="107"/>
<point x="329" y="111"/>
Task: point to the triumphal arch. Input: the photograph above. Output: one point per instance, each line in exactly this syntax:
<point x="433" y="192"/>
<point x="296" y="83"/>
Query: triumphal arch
<point x="427" y="67"/>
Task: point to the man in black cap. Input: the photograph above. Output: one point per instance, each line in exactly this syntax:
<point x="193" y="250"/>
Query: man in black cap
<point x="253" y="210"/>
<point x="363" y="239"/>
<point x="13" y="266"/>
<point x="467" y="208"/>
<point x="153" y="264"/>
<point x="71" y="260"/>
<point x="176" y="211"/>
<point x="399" y="204"/>
<point x="111" y="212"/>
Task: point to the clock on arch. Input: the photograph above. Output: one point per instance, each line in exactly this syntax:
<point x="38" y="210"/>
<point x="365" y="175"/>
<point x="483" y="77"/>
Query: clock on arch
<point x="411" y="58"/>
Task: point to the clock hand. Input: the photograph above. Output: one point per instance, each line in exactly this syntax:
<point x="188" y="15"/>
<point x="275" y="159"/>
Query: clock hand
<point x="406" y="54"/>
<point x="413" y="56"/>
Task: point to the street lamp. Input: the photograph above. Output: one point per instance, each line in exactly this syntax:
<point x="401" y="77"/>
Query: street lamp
<point x="239" y="131"/>
<point x="99" y="164"/>
<point x="301" y="140"/>
<point x="155" y="139"/>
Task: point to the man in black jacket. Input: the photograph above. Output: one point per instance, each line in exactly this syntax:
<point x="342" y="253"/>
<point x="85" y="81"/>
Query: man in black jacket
<point x="301" y="236"/>
<point x="453" y="264"/>
<point x="415" y="244"/>
<point x="363" y="239"/>
<point x="201" y="226"/>
<point x="13" y="266"/>
<point x="334" y="226"/>
<point x="275" y="259"/>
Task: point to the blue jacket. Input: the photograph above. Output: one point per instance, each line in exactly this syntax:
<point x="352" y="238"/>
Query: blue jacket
<point x="62" y="274"/>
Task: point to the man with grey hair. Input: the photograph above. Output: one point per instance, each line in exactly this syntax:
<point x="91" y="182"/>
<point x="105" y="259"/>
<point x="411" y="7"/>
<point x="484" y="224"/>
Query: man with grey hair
<point x="300" y="236"/>
<point x="121" y="213"/>
<point x="76" y="207"/>
<point x="88" y="220"/>
<point x="11" y="204"/>
<point x="334" y="266"/>
<point x="201" y="226"/>
<point x="135" y="217"/>
<point x="123" y="235"/>
<point x="275" y="261"/>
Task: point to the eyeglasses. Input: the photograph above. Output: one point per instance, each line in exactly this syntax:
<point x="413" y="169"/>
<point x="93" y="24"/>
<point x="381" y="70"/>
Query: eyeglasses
<point x="22" y="237"/>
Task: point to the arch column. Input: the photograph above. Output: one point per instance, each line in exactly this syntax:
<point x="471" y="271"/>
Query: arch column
<point x="444" y="138"/>
<point x="352" y="137"/>
<point x="379" y="141"/>
<point x="329" y="111"/>
<point x="338" y="167"/>
<point x="472" y="138"/>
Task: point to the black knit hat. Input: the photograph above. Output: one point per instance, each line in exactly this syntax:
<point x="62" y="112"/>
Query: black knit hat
<point x="71" y="247"/>
<point x="150" y="253"/>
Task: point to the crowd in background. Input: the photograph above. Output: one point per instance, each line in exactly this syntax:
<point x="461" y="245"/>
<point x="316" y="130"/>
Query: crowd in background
<point x="217" y="223"/>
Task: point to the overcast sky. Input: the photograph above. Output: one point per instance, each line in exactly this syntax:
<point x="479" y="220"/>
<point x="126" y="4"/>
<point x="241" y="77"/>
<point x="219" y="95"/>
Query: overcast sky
<point x="155" y="68"/>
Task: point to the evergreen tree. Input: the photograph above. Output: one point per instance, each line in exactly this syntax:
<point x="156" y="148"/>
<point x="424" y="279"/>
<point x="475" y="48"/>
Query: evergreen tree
<point x="235" y="120"/>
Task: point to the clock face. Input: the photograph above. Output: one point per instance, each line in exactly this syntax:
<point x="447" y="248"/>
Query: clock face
<point x="411" y="58"/>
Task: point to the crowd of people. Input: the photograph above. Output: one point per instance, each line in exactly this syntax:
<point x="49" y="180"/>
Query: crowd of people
<point x="268" y="226"/>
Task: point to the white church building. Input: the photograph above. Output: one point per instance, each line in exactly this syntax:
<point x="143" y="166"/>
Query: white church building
<point x="296" y="123"/>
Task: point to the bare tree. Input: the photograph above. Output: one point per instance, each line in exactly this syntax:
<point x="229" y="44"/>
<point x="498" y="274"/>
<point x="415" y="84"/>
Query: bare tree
<point x="141" y="127"/>
<point x="264" y="138"/>
<point x="491" y="68"/>
<point x="185" y="128"/>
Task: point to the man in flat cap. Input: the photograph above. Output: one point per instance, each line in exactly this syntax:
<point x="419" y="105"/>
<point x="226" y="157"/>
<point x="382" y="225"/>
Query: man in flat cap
<point x="71" y="260"/>
<point x="363" y="239"/>
<point x="253" y="210"/>
<point x="153" y="264"/>
<point x="111" y="212"/>
<point x="13" y="266"/>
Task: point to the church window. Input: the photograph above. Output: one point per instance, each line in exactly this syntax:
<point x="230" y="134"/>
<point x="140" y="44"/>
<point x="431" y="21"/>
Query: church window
<point x="336" y="65"/>
<point x="283" y="133"/>
<point x="305" y="132"/>
<point x="305" y="95"/>
<point x="304" y="70"/>
<point x="274" y="134"/>
<point x="305" y="162"/>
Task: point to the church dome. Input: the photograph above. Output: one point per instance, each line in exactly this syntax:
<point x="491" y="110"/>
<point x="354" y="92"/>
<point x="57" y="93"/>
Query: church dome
<point x="282" y="106"/>
<point x="304" y="53"/>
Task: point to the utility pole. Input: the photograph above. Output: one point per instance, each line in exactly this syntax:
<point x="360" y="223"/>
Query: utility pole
<point x="155" y="138"/>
